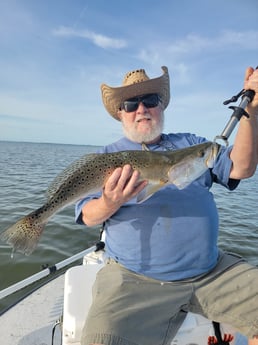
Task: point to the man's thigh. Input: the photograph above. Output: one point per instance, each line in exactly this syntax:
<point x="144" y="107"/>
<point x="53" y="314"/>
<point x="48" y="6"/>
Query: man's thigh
<point x="229" y="295"/>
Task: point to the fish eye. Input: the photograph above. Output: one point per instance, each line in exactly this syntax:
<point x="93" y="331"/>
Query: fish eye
<point x="201" y="153"/>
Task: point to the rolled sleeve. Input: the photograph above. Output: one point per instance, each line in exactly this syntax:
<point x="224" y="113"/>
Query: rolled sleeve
<point x="79" y="206"/>
<point x="222" y="168"/>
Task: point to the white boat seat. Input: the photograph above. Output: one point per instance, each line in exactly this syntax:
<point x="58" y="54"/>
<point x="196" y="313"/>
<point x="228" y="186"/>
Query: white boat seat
<point x="77" y="300"/>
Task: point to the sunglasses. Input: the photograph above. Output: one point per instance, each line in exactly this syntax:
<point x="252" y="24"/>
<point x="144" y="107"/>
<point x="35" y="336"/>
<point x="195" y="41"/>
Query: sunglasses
<point x="132" y="104"/>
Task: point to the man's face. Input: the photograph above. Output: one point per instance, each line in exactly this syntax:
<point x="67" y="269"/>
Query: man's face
<point x="145" y="124"/>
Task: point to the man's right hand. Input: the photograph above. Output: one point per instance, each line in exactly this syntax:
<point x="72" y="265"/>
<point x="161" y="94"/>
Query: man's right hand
<point x="122" y="185"/>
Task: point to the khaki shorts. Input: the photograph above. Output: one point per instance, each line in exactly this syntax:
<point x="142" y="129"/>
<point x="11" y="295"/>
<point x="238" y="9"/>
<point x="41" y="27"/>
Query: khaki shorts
<point x="131" y="309"/>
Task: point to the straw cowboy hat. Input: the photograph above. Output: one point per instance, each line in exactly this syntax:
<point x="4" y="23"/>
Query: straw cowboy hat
<point x="135" y="83"/>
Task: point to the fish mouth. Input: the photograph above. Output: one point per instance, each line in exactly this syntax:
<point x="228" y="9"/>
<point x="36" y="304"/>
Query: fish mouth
<point x="216" y="149"/>
<point x="213" y="154"/>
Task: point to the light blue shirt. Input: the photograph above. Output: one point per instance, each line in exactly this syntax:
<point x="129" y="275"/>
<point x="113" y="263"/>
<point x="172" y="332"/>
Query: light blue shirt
<point x="172" y="235"/>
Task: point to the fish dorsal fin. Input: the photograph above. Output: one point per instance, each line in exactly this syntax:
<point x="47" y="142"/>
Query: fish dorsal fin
<point x="67" y="173"/>
<point x="149" y="190"/>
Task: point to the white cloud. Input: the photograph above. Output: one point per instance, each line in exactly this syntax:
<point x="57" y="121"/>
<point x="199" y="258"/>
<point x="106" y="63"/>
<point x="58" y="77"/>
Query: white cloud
<point x="195" y="44"/>
<point x="181" y="53"/>
<point x="97" y="39"/>
<point x="244" y="39"/>
<point x="229" y="39"/>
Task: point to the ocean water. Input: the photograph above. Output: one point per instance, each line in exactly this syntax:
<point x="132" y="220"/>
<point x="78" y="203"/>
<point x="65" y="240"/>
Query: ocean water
<point x="26" y="169"/>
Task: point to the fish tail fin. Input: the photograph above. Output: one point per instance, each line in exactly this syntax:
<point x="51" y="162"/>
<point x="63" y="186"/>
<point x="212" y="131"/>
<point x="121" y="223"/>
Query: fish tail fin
<point x="24" y="235"/>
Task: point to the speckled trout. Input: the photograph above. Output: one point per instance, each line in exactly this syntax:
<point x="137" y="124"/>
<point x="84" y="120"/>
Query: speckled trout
<point x="89" y="174"/>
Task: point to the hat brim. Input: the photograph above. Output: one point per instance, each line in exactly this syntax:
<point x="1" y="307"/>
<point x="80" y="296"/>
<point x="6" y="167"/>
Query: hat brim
<point x="113" y="97"/>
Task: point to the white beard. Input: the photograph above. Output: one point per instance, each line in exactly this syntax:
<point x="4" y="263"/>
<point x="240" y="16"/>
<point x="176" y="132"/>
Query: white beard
<point x="133" y="135"/>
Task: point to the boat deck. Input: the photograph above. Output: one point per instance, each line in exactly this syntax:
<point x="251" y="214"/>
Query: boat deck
<point x="17" y="323"/>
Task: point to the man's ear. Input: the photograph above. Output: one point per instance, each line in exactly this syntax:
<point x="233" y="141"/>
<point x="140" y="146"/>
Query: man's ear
<point x="119" y="115"/>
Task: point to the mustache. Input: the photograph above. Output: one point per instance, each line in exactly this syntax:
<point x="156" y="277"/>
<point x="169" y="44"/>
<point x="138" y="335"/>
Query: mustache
<point x="142" y="117"/>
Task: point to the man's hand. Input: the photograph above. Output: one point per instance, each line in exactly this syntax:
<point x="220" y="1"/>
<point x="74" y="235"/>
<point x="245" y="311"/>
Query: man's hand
<point x="122" y="186"/>
<point x="251" y="82"/>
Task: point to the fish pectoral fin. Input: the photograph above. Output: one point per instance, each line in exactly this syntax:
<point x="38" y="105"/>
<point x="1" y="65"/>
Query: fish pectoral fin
<point x="149" y="190"/>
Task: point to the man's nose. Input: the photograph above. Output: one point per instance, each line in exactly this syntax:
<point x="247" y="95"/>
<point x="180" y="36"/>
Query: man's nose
<point x="141" y="108"/>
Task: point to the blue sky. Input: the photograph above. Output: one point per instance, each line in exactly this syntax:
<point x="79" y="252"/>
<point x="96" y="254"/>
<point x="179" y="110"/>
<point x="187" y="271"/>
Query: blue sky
<point x="56" y="53"/>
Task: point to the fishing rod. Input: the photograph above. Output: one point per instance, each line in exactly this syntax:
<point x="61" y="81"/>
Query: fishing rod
<point x="238" y="111"/>
<point x="44" y="273"/>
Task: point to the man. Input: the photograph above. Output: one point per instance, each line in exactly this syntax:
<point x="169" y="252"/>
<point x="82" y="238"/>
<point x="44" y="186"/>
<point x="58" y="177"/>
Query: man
<point x="163" y="259"/>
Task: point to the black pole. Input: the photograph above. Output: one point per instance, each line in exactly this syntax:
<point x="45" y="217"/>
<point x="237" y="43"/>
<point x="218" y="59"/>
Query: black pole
<point x="239" y="111"/>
